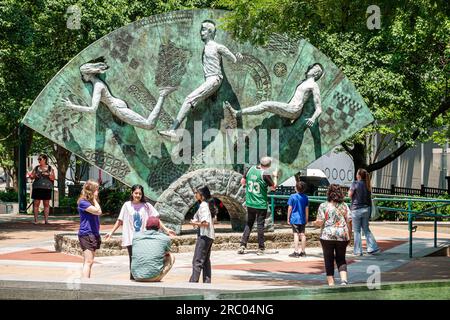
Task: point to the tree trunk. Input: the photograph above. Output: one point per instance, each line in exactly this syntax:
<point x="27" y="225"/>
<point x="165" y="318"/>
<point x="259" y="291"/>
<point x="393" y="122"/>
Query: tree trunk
<point x="80" y="169"/>
<point x="7" y="177"/>
<point x="62" y="157"/>
<point x="358" y="154"/>
<point x="27" y="140"/>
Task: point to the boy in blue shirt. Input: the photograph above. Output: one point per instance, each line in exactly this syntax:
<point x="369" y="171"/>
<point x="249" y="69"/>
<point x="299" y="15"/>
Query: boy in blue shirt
<point x="297" y="217"/>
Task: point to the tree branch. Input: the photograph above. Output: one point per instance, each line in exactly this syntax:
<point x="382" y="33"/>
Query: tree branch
<point x="346" y="147"/>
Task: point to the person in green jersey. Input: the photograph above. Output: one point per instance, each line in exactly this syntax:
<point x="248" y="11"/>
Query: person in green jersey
<point x="256" y="181"/>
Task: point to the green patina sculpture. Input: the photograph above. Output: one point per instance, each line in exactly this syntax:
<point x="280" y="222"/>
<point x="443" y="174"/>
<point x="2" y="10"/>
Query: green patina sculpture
<point x="117" y="102"/>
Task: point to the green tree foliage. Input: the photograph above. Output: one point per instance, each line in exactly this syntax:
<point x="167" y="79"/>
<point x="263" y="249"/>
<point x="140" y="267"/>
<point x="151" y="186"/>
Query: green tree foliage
<point x="416" y="206"/>
<point x="401" y="70"/>
<point x="112" y="199"/>
<point x="8" y="196"/>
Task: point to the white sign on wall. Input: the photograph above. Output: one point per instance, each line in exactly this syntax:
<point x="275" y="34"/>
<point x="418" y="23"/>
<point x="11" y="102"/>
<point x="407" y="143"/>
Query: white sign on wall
<point x="337" y="166"/>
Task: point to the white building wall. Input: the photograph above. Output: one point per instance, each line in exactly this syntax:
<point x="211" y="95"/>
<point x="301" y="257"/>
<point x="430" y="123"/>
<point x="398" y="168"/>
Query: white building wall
<point x="337" y="166"/>
<point x="414" y="167"/>
<point x="96" y="173"/>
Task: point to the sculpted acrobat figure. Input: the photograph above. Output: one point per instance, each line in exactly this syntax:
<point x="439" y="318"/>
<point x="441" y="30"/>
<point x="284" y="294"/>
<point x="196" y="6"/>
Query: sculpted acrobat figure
<point x="212" y="70"/>
<point x="291" y="110"/>
<point x="118" y="107"/>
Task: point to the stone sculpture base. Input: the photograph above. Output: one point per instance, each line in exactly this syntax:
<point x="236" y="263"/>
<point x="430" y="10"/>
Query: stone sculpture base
<point x="225" y="185"/>
<point x="68" y="243"/>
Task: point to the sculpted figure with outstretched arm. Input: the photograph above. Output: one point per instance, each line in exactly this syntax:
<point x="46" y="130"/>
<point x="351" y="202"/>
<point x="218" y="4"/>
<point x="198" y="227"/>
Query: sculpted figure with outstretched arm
<point x="291" y="110"/>
<point x="118" y="107"/>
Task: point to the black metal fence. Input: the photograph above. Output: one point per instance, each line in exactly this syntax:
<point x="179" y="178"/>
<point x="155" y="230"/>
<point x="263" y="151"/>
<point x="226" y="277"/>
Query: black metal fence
<point x="422" y="192"/>
<point x="393" y="190"/>
<point x="282" y="191"/>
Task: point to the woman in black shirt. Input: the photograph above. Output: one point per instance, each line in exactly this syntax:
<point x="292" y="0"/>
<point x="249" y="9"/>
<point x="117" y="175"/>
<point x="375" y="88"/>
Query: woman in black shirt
<point x="43" y="176"/>
<point x="361" y="194"/>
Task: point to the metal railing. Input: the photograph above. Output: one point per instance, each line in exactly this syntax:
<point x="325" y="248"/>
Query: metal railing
<point x="413" y="214"/>
<point x="423" y="191"/>
<point x="393" y="190"/>
<point x="432" y="211"/>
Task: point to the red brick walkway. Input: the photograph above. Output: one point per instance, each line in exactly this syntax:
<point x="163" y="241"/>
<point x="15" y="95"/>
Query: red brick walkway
<point x="427" y="268"/>
<point x="303" y="267"/>
<point x="386" y="244"/>
<point x="38" y="254"/>
<point x="300" y="267"/>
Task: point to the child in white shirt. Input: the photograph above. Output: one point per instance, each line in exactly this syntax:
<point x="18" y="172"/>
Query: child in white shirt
<point x="203" y="219"/>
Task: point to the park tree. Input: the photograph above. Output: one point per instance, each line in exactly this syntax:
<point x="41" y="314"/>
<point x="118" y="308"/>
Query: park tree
<point x="400" y="69"/>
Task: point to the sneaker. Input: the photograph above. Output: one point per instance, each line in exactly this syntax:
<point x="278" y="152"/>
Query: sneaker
<point x="357" y="254"/>
<point x="344" y="283"/>
<point x="302" y="254"/>
<point x="374" y="252"/>
<point x="260" y="252"/>
<point x="294" y="254"/>
<point x="230" y="115"/>
<point x="241" y="250"/>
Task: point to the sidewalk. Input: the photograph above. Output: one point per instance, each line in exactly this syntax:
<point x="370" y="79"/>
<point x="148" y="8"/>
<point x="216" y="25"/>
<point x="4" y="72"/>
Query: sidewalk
<point x="28" y="264"/>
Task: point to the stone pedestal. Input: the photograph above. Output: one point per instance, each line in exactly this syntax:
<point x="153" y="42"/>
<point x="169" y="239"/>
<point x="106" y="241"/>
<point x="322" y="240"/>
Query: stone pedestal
<point x="226" y="240"/>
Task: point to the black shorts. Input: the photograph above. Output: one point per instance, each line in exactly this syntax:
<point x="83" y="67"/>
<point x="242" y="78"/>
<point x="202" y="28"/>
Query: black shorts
<point x="298" y="228"/>
<point x="41" y="194"/>
<point x="90" y="242"/>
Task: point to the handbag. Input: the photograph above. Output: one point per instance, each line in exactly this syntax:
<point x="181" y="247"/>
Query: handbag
<point x="42" y="182"/>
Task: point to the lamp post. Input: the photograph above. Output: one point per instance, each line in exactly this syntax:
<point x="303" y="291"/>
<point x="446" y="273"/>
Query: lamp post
<point x="22" y="180"/>
<point x="444" y="165"/>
